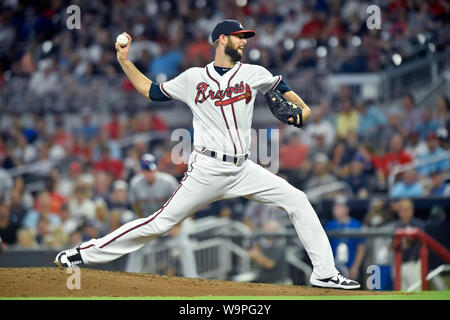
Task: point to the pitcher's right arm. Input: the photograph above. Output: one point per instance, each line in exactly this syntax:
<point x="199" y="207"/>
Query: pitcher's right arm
<point x="137" y="78"/>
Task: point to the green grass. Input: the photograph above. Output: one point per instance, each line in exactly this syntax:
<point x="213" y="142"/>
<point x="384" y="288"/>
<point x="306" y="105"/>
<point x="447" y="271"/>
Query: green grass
<point x="422" y="295"/>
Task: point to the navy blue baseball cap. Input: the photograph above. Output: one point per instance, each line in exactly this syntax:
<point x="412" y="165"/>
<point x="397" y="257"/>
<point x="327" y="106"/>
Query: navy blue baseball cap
<point x="229" y="26"/>
<point x="148" y="162"/>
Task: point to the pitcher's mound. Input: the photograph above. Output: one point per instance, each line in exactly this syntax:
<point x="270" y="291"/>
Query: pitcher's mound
<point x="52" y="282"/>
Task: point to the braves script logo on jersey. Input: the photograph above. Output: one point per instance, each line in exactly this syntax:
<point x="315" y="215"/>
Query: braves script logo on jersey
<point x="241" y="91"/>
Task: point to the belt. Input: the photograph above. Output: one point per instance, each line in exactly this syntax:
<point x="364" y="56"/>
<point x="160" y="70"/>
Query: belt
<point x="226" y="158"/>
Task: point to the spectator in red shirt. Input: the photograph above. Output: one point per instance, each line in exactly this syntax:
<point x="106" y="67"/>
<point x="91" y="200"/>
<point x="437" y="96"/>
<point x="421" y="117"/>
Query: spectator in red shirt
<point x="149" y="120"/>
<point x="293" y="154"/>
<point x="108" y="164"/>
<point x="199" y="50"/>
<point x="114" y="127"/>
<point x="397" y="155"/>
<point x="56" y="199"/>
<point x="314" y="27"/>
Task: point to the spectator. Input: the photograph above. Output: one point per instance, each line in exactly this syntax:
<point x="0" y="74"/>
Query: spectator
<point x="87" y="130"/>
<point x="24" y="152"/>
<point x="293" y="154"/>
<point x="321" y="176"/>
<point x="150" y="189"/>
<point x="26" y="196"/>
<point x="256" y="214"/>
<point x="6" y="183"/>
<point x="269" y="256"/>
<point x="8" y="228"/>
<point x="102" y="183"/>
<point x="410" y="270"/>
<point x="437" y="187"/>
<point x="167" y="164"/>
<point x="340" y="159"/>
<point x="408" y="187"/>
<point x="198" y="50"/>
<point x="347" y="119"/>
<point x="114" y="126"/>
<point x="428" y="125"/>
<point x="371" y="121"/>
<point x="17" y="209"/>
<point x="102" y="215"/>
<point x="442" y="112"/>
<point x="397" y="155"/>
<point x="32" y="218"/>
<point x="434" y="151"/>
<point x="26" y="239"/>
<point x="56" y="199"/>
<point x="348" y="252"/>
<point x="411" y="114"/>
<point x="108" y="164"/>
<point x="118" y="198"/>
<point x="81" y="208"/>
<point x="320" y="135"/>
<point x="67" y="183"/>
<point x="357" y="178"/>
<point x="437" y="226"/>
<point x="415" y="146"/>
<point x="395" y="127"/>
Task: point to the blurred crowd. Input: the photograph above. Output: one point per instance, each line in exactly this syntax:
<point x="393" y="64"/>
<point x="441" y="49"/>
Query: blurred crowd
<point x="85" y="189"/>
<point x="171" y="35"/>
<point x="87" y="193"/>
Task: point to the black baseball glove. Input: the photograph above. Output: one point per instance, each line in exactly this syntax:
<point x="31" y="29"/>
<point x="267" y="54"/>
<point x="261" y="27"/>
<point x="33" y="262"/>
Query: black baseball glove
<point x="282" y="109"/>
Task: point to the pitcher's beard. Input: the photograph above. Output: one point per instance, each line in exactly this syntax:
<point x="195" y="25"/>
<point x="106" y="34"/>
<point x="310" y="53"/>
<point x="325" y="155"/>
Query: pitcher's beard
<point x="233" y="53"/>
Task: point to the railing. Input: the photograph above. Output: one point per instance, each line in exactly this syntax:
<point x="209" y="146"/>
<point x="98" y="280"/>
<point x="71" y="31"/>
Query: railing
<point x="316" y="193"/>
<point x="400" y="168"/>
<point x="427" y="243"/>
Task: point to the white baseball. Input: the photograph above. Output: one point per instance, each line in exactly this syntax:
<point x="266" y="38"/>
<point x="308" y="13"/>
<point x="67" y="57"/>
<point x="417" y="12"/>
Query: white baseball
<point x="122" y="40"/>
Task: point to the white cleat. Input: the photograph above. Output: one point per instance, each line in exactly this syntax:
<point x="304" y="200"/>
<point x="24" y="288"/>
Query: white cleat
<point x="336" y="282"/>
<point x="68" y="258"/>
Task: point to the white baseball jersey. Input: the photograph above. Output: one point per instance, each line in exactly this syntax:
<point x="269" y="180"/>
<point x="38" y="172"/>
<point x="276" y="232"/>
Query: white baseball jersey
<point x="222" y="106"/>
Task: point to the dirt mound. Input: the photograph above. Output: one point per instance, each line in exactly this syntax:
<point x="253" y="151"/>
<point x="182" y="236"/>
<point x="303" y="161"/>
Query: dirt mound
<point x="52" y="282"/>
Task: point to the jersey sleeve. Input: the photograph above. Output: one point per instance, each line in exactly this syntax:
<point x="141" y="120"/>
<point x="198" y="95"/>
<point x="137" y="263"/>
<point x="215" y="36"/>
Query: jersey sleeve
<point x="177" y="87"/>
<point x="265" y="81"/>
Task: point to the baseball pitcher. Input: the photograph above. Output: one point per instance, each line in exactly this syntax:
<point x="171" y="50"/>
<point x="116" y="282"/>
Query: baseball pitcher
<point x="221" y="97"/>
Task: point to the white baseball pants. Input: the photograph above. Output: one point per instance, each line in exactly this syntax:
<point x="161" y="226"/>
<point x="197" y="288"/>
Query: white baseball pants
<point x="208" y="180"/>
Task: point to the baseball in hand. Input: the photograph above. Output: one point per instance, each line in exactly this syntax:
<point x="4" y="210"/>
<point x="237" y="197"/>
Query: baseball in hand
<point x="122" y="40"/>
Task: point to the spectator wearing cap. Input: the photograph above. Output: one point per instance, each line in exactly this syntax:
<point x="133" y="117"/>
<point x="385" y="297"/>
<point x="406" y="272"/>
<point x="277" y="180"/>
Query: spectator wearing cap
<point x="322" y="175"/>
<point x="150" y="188"/>
<point x="348" y="252"/>
<point x="434" y="151"/>
<point x="408" y="186"/>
